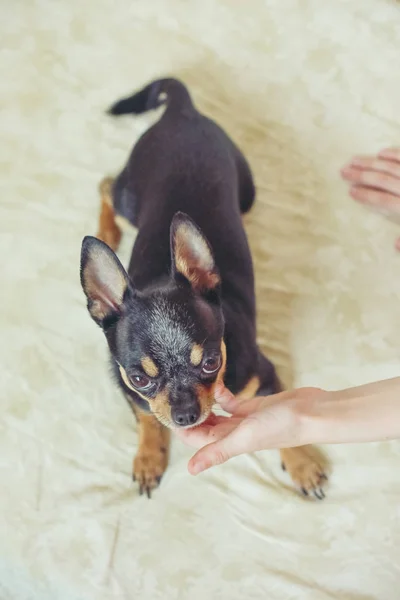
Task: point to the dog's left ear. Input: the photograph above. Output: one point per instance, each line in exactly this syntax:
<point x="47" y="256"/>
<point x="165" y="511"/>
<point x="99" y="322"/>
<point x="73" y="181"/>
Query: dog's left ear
<point x="104" y="281"/>
<point x="192" y="256"/>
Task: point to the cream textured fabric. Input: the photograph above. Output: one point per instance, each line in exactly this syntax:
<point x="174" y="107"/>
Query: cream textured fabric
<point x="301" y="86"/>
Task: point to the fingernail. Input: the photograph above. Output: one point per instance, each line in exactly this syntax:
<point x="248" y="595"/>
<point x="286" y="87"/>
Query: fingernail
<point x="197" y="468"/>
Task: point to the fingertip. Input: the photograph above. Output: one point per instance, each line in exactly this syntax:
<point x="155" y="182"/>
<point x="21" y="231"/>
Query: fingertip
<point x="397" y="245"/>
<point x="219" y="388"/>
<point x="346" y="172"/>
<point x="195" y="467"/>
<point x="223" y="396"/>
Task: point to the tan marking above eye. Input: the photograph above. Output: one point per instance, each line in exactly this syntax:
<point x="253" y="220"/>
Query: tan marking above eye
<point x="196" y="355"/>
<point x="149" y="367"/>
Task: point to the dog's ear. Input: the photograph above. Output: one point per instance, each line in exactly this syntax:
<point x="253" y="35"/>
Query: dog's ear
<point x="104" y="281"/>
<point x="192" y="256"/>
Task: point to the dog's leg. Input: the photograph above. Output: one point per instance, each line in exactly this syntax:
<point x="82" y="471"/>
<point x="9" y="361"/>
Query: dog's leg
<point x="108" y="232"/>
<point x="305" y="464"/>
<point x="151" y="458"/>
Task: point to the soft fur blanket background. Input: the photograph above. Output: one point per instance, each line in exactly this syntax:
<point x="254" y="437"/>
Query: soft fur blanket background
<point x="301" y="86"/>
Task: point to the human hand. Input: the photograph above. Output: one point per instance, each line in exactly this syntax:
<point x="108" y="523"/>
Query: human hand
<point x="375" y="182"/>
<point x="263" y="422"/>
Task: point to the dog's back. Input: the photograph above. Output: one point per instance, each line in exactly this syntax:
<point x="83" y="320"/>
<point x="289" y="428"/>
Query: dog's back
<point x="185" y="162"/>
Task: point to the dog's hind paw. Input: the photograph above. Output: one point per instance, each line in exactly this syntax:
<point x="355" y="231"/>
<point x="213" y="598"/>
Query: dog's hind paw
<point x="307" y="468"/>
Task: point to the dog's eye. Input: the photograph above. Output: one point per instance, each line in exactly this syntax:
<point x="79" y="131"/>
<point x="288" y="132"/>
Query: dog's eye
<point x="141" y="381"/>
<point x="211" y="365"/>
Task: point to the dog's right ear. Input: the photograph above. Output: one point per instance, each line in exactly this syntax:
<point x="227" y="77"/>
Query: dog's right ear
<point x="104" y="281"/>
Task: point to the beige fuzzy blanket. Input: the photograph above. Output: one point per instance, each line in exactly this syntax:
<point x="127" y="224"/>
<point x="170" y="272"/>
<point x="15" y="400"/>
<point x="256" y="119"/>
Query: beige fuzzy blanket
<point x="301" y="85"/>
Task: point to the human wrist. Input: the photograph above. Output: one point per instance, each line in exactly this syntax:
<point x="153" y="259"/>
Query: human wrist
<point x="348" y="415"/>
<point x="315" y="411"/>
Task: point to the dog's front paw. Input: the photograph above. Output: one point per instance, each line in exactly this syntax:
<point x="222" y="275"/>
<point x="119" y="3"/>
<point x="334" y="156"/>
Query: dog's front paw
<point x="307" y="468"/>
<point x="148" y="468"/>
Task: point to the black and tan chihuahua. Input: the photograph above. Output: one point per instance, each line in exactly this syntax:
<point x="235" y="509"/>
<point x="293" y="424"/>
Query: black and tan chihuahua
<point x="183" y="316"/>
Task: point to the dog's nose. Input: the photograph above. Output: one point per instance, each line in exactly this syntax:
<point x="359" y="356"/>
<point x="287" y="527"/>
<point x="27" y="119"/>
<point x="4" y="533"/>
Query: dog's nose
<point x="186" y="416"/>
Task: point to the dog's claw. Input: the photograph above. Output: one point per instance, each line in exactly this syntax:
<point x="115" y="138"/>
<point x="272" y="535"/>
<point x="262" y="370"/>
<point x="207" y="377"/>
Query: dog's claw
<point x="147" y="474"/>
<point x="307" y="468"/>
<point x="146" y="487"/>
<point x="319" y="493"/>
<point x="283" y="466"/>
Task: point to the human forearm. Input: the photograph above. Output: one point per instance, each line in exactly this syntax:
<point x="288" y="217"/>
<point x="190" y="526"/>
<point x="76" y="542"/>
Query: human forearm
<point x="361" y="414"/>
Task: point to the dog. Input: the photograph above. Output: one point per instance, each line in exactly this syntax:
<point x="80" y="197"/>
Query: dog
<point x="183" y="315"/>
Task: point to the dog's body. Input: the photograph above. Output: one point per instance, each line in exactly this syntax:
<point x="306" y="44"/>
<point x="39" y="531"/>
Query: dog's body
<point x="206" y="177"/>
<point x="185" y="316"/>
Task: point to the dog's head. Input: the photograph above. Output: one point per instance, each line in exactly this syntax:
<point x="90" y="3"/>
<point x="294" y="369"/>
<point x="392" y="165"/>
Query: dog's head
<point x="167" y="340"/>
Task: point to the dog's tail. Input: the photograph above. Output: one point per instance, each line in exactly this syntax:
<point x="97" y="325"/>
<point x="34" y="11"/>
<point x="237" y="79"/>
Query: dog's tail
<point x="171" y="92"/>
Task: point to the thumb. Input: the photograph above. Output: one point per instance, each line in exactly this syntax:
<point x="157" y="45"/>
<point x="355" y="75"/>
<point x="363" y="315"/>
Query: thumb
<point x="239" y="441"/>
<point x="235" y="404"/>
<point x="224" y="397"/>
